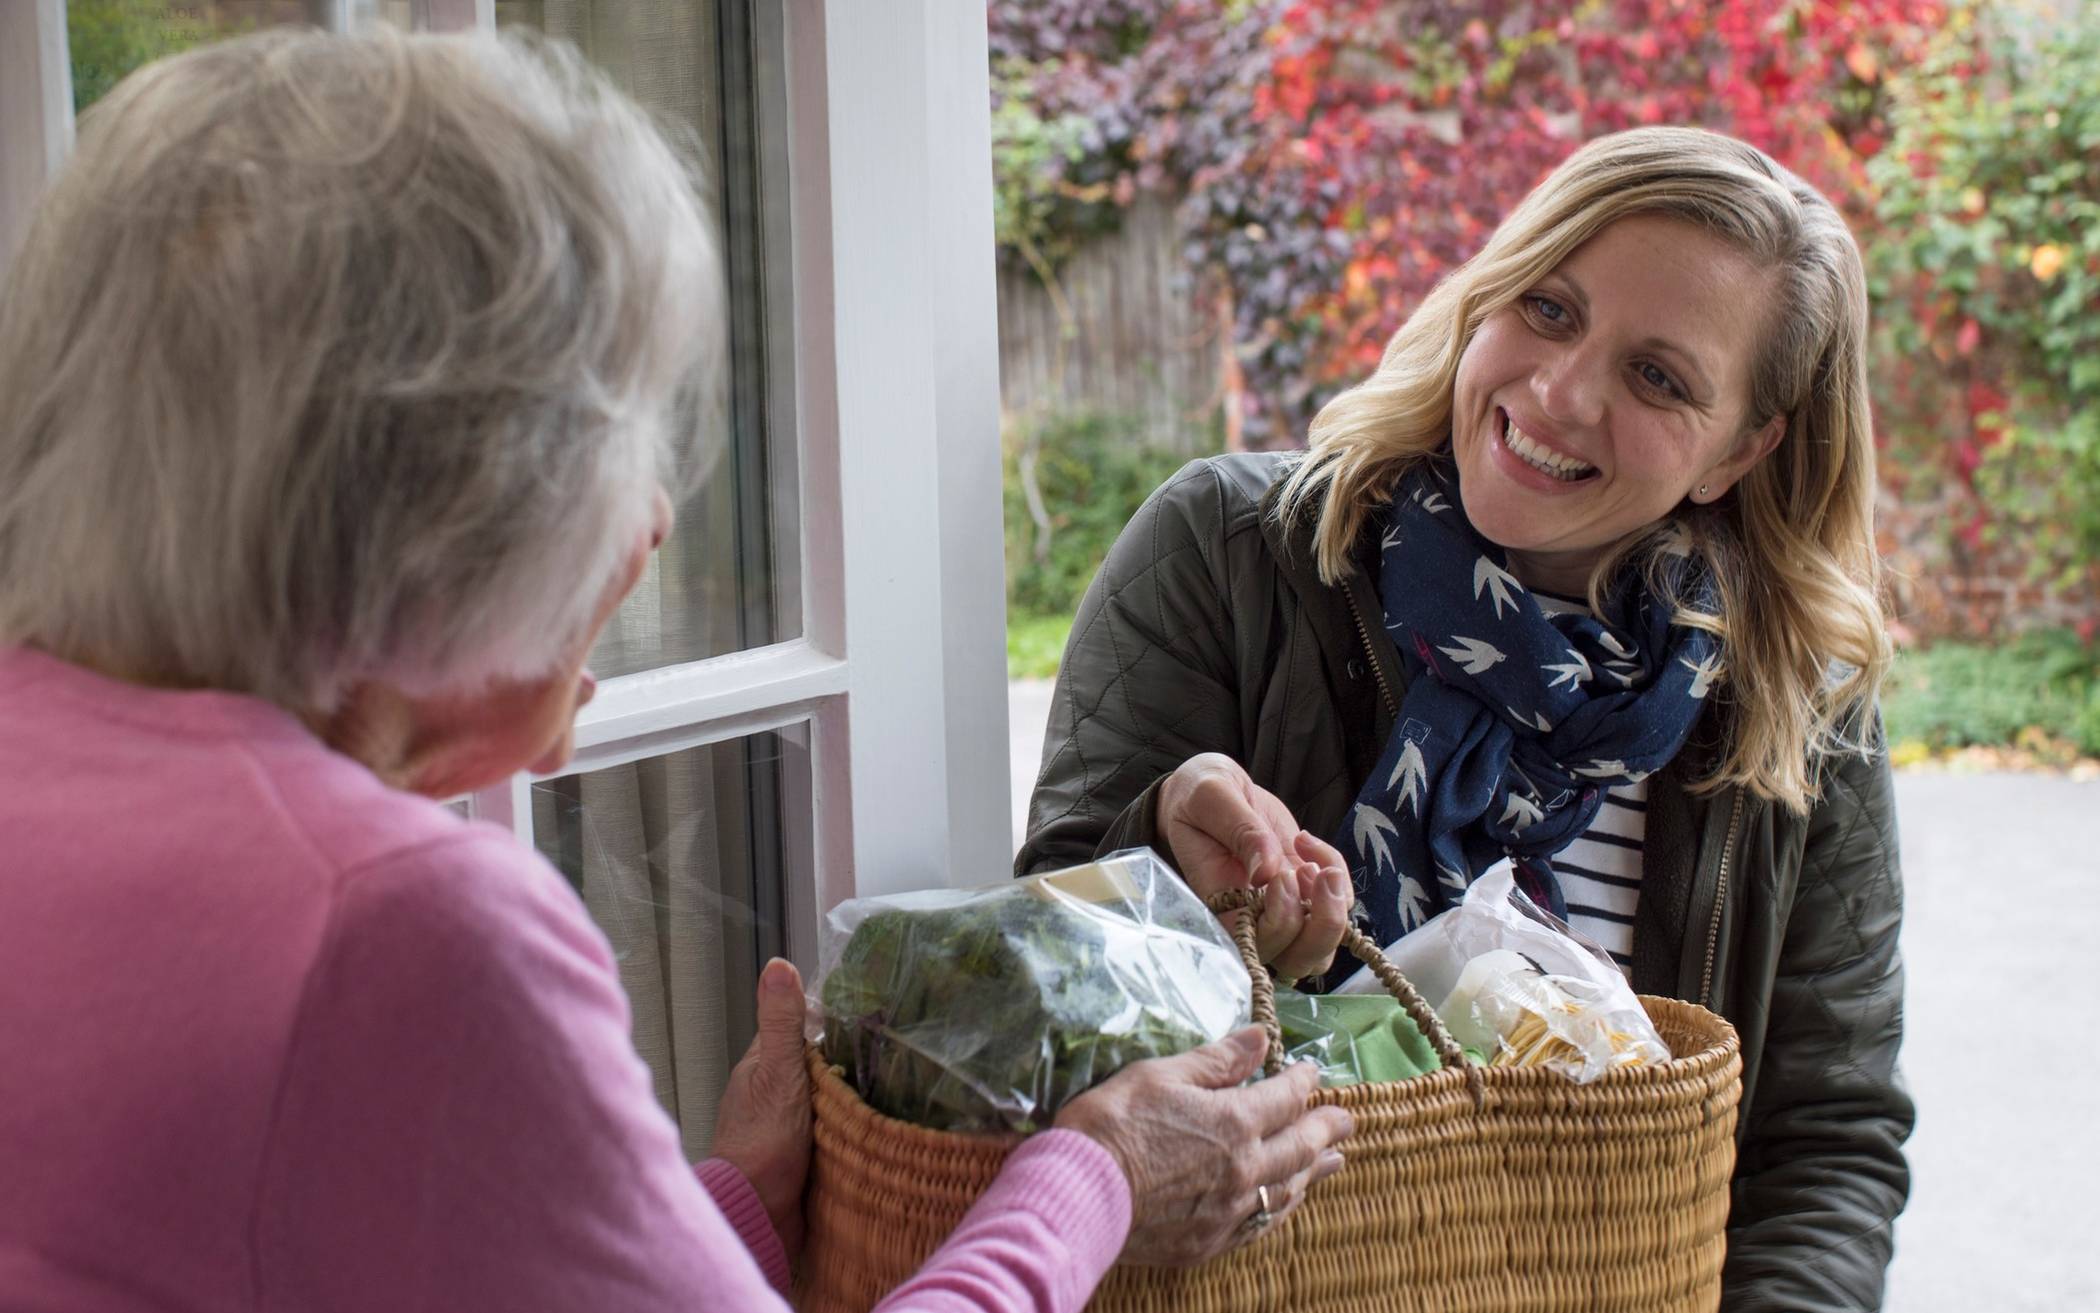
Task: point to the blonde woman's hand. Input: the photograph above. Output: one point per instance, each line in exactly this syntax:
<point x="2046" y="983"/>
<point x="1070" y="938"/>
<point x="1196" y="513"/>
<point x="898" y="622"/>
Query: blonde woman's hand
<point x="1227" y="832"/>
<point x="1198" y="1149"/>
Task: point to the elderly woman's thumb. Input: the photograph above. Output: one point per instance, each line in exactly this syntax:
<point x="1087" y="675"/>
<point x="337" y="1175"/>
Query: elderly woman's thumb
<point x="780" y="1011"/>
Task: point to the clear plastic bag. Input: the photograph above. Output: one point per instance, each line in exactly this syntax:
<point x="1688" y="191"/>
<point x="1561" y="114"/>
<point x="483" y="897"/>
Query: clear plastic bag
<point x="1505" y="1006"/>
<point x="1521" y="989"/>
<point x="989" y="1009"/>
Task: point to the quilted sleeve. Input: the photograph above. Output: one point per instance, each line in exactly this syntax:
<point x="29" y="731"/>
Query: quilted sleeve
<point x="1147" y="679"/>
<point x="1822" y="1173"/>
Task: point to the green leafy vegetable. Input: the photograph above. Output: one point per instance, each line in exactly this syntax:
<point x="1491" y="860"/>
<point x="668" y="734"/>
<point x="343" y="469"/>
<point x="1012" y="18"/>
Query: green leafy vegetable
<point x="991" y="1014"/>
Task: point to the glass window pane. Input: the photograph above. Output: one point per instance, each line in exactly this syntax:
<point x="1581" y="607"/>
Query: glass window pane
<point x="683" y="861"/>
<point x="728" y="579"/>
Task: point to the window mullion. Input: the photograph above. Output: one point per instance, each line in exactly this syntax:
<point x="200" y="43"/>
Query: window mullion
<point x="720" y="688"/>
<point x="509" y="805"/>
<point x="678" y="738"/>
<point x="453" y="15"/>
<point x="36" y="109"/>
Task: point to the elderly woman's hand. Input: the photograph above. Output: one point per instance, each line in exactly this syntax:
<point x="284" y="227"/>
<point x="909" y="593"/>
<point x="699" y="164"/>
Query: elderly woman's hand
<point x="1227" y="832"/>
<point x="1199" y="1150"/>
<point x="762" y="1126"/>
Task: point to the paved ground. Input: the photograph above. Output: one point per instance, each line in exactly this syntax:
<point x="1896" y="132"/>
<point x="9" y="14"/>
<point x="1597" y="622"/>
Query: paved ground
<point x="2003" y="1045"/>
<point x="1027" y="708"/>
<point x="2002" y="885"/>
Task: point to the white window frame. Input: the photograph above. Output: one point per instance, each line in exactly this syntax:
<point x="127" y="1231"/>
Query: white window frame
<point x="36" y="108"/>
<point x="898" y="678"/>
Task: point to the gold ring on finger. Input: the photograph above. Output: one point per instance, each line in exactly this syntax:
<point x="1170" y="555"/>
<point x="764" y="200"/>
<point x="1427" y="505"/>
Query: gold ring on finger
<point x="1258" y="1221"/>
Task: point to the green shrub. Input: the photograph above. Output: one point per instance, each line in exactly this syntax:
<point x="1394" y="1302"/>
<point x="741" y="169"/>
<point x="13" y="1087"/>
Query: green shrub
<point x="1986" y="269"/>
<point x="1035" y="644"/>
<point x="1089" y="473"/>
<point x="1954" y="695"/>
<point x="109" y="38"/>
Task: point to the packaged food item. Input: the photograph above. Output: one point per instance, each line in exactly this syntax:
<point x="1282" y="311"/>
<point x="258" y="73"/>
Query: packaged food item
<point x="1520" y="989"/>
<point x="988" y="1009"/>
<point x="1506" y="1007"/>
<point x="1353" y="1037"/>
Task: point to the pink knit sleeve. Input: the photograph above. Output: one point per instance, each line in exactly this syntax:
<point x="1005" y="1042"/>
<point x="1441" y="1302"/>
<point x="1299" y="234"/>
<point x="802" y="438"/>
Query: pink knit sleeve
<point x="740" y="1204"/>
<point x="1039" y="1240"/>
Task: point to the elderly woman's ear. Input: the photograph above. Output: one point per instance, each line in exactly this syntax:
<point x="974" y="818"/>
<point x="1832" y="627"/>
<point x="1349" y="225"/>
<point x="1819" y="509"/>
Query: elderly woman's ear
<point x="441" y="745"/>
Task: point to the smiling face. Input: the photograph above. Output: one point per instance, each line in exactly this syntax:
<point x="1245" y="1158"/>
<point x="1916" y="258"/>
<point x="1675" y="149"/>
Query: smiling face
<point x="1611" y="391"/>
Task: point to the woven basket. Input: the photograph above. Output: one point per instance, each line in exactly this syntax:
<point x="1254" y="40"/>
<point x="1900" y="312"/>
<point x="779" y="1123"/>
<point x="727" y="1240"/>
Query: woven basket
<point x="1467" y="1189"/>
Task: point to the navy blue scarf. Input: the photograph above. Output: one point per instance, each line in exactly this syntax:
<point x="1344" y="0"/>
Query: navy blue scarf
<point x="1515" y="721"/>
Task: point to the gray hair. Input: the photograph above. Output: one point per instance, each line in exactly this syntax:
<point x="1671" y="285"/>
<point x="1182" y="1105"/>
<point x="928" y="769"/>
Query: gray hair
<point x="335" y="358"/>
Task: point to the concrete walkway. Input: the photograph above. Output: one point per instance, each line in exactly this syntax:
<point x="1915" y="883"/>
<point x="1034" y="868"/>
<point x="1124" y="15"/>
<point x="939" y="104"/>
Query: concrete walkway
<point x="2002" y="1050"/>
<point x="1027" y="709"/>
<point x="2002" y="1043"/>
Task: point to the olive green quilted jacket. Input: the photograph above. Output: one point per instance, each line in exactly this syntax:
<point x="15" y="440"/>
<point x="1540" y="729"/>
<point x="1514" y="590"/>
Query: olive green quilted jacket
<point x="1207" y="630"/>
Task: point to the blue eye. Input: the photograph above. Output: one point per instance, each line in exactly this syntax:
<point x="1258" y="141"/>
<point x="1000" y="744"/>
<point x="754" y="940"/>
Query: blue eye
<point x="1653" y="375"/>
<point x="1548" y="309"/>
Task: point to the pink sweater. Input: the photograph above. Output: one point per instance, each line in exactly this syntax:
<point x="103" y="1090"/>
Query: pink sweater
<point x="274" y="1036"/>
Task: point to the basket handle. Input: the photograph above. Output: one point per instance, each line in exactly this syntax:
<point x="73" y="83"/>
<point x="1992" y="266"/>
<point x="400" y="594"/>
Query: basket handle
<point x="1248" y="903"/>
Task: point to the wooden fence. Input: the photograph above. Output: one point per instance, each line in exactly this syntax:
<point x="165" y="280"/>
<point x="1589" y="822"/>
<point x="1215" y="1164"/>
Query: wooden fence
<point x="1137" y="343"/>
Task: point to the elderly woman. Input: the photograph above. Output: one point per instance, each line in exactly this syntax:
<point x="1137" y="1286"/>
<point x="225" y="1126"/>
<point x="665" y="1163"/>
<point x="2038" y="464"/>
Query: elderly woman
<point x="1582" y="575"/>
<point x="338" y="379"/>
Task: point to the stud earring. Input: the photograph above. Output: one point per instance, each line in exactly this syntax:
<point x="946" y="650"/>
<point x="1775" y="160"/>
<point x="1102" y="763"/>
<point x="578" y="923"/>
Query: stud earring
<point x="1702" y="490"/>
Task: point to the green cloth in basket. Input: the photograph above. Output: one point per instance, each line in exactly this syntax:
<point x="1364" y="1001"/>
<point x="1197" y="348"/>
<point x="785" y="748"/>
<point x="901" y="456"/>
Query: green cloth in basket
<point x="1354" y="1037"/>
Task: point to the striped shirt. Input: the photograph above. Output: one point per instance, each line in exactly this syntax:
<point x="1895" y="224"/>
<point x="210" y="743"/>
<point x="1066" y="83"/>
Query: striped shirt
<point x="1600" y="872"/>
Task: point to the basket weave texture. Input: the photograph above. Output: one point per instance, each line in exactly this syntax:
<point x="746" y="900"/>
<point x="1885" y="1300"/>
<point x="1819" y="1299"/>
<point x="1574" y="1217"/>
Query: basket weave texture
<point x="1464" y="1191"/>
<point x="1547" y="1196"/>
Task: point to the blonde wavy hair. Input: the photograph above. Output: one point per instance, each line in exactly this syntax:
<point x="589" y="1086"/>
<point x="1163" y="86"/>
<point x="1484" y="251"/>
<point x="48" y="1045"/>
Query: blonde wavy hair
<point x="1791" y="547"/>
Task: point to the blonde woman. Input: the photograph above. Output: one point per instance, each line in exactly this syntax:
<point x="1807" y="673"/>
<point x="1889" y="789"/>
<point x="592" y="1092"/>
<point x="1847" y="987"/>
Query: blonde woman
<point x="1583" y="575"/>
<point x="337" y="381"/>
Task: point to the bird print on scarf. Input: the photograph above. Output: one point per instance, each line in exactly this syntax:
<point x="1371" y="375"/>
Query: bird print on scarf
<point x="1515" y="721"/>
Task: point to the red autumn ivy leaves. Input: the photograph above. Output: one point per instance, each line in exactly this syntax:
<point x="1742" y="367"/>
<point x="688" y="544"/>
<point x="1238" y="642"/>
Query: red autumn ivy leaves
<point x="1339" y="156"/>
<point x="1335" y="158"/>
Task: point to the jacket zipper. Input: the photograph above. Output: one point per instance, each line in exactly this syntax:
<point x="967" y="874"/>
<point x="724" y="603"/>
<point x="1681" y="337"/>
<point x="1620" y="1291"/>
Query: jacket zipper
<point x="1363" y="633"/>
<point x="1713" y="928"/>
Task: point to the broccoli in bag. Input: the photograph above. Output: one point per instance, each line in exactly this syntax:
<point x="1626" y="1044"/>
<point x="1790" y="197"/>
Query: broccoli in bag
<point x="989" y="1009"/>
